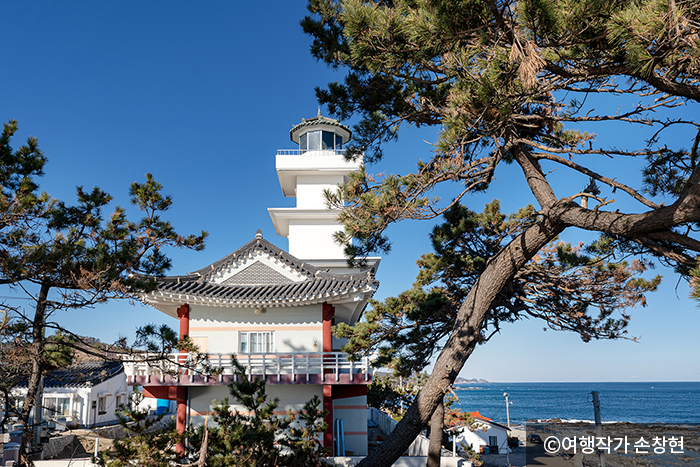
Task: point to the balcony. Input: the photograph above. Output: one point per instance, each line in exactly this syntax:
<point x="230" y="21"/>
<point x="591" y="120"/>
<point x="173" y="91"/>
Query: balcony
<point x="301" y="152"/>
<point x="179" y="369"/>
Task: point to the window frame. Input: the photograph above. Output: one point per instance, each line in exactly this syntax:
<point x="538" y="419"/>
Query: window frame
<point x="246" y="345"/>
<point x="305" y="138"/>
<point x="102" y="404"/>
<point x="50" y="406"/>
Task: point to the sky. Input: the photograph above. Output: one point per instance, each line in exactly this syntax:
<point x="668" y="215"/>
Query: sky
<point x="202" y="95"/>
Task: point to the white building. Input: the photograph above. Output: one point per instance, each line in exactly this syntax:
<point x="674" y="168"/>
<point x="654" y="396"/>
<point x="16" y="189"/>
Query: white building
<point x="485" y="432"/>
<point x="84" y="395"/>
<point x="274" y="310"/>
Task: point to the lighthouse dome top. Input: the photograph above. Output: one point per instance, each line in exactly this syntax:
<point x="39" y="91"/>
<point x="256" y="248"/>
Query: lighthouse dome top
<point x="320" y="133"/>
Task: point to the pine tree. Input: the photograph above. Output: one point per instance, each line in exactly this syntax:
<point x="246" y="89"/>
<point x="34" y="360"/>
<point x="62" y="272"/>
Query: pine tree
<point x="522" y="84"/>
<point x="67" y="256"/>
<point x="562" y="285"/>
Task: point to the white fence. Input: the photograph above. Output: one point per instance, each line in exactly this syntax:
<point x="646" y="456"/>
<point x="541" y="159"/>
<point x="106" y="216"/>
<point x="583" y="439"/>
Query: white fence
<point x="328" y="364"/>
<point x="419" y="447"/>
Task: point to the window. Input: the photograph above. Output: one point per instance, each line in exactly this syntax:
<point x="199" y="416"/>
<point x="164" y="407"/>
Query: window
<point x="328" y="140"/>
<point x="320" y="140"/>
<point x="493" y="441"/>
<point x="102" y="405"/>
<point x="55" y="406"/>
<point x="314" y="140"/>
<point x="121" y="399"/>
<point x="302" y="143"/>
<point x="257" y="342"/>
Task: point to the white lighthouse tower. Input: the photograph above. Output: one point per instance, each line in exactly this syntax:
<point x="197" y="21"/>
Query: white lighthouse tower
<point x="319" y="164"/>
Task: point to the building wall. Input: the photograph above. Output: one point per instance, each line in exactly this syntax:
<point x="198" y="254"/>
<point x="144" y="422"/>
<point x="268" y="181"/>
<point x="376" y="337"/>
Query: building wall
<point x="353" y="412"/>
<point x="480" y="436"/>
<point x="296" y="329"/>
<point x="110" y="390"/>
<point x="292" y="397"/>
<point x="313" y="239"/>
<point x="310" y="189"/>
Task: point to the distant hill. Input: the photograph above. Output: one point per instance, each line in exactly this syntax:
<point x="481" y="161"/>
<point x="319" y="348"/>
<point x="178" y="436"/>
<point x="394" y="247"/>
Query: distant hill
<point x="470" y="381"/>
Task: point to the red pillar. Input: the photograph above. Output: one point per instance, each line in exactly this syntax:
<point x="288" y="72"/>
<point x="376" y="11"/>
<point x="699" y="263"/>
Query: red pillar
<point x="328" y="313"/>
<point x="181" y="423"/>
<point x="184" y="314"/>
<point x="173" y="393"/>
<point x="181" y="417"/>
<point x="328" y="407"/>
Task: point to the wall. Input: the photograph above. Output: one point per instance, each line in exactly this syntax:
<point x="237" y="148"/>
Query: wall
<point x="296" y="328"/>
<point x="311" y="238"/>
<point x="353" y="412"/>
<point x="292" y="397"/>
<point x="480" y="437"/>
<point x="112" y="387"/>
<point x="310" y="189"/>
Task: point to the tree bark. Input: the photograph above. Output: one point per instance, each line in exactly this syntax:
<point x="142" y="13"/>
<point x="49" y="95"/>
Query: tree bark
<point x="37" y="371"/>
<point x="464" y="338"/>
<point x="436" y="423"/>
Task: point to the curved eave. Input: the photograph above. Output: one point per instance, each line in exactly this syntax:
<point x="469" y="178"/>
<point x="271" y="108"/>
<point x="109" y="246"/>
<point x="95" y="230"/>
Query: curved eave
<point x="168" y="302"/>
<point x="320" y="123"/>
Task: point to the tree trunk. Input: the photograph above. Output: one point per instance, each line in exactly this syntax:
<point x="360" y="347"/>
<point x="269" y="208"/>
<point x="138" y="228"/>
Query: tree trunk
<point x="37" y="356"/>
<point x="463" y="340"/>
<point x="436" y="423"/>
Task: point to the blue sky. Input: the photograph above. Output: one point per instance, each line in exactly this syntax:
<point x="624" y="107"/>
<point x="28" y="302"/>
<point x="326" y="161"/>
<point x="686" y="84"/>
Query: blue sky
<point x="202" y="94"/>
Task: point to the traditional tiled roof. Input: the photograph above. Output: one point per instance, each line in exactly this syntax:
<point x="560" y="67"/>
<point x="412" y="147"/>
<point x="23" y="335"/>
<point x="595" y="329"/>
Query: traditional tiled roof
<point x="82" y="375"/>
<point x="304" y="283"/>
<point x="319" y="119"/>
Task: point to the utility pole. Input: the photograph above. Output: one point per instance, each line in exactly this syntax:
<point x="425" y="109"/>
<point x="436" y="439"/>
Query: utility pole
<point x="598" y="424"/>
<point x="505" y="394"/>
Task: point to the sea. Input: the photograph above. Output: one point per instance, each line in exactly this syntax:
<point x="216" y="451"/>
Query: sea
<point x="634" y="402"/>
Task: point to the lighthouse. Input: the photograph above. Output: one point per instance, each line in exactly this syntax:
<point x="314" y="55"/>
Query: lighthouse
<point x="317" y="165"/>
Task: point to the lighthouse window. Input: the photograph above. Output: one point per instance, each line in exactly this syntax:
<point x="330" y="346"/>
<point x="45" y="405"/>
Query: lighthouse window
<point x="328" y="140"/>
<point x="320" y="140"/>
<point x="302" y="143"/>
<point x="314" y="140"/>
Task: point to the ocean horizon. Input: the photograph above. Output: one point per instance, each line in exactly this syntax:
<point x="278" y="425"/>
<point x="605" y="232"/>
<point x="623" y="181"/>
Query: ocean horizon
<point x="675" y="402"/>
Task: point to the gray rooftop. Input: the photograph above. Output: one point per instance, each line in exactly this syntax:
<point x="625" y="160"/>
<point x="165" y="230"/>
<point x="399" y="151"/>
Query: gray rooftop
<point x="315" y="284"/>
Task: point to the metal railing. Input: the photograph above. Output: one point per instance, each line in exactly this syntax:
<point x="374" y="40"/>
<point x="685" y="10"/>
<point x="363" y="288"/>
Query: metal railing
<point x="299" y="152"/>
<point x="266" y="364"/>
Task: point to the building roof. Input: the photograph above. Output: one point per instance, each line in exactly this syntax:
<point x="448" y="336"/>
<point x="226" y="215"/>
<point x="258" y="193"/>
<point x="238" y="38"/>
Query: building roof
<point x="259" y="274"/>
<point x="477" y="416"/>
<point x="82" y="375"/>
<point x="316" y="121"/>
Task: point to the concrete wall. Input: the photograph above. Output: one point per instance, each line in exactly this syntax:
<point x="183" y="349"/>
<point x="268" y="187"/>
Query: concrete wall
<point x="111" y="389"/>
<point x="310" y="189"/>
<point x="292" y="397"/>
<point x="311" y="239"/>
<point x="353" y="412"/>
<point x="216" y="329"/>
<point x="480" y="437"/>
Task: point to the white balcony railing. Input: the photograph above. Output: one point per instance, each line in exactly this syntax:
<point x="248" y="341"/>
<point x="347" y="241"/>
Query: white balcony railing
<point x="300" y="152"/>
<point x="329" y="365"/>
